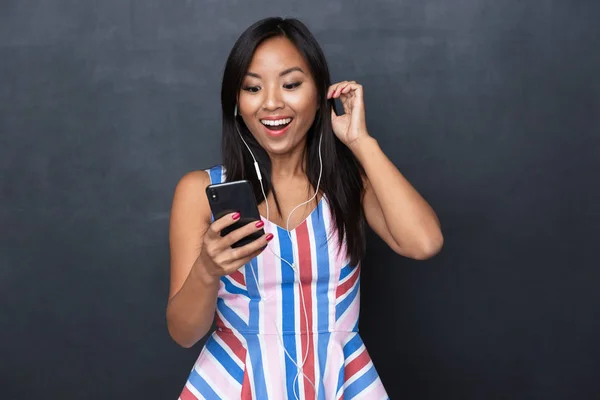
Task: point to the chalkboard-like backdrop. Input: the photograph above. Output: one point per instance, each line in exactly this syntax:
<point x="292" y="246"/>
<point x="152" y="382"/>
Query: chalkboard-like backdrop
<point x="491" y="109"/>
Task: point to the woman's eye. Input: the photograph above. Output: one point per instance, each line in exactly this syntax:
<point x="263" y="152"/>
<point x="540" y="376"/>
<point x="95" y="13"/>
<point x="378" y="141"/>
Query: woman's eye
<point x="292" y="85"/>
<point x="251" y="89"/>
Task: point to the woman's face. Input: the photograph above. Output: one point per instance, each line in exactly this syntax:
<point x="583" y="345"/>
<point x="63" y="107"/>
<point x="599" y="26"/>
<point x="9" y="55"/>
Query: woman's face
<point x="278" y="98"/>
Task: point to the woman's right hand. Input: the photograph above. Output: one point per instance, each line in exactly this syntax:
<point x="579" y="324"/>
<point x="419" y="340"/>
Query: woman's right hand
<point x="218" y="258"/>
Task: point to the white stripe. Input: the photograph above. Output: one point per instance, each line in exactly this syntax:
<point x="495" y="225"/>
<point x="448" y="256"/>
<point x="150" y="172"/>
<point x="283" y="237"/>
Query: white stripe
<point x="372" y="390"/>
<point x="228" y="350"/>
<point x="352" y="356"/>
<point x="232" y="384"/>
<point x="298" y="313"/>
<point x="315" y="276"/>
<point x="359" y="373"/>
<point x="209" y="381"/>
<point x="278" y="265"/>
<point x="334" y="268"/>
<point x="240" y="305"/>
<point x="339" y="392"/>
<point x="265" y="324"/>
<point x="315" y="303"/>
<point x="347" y="320"/>
<point x="234" y="282"/>
<point x="353" y="272"/>
<point x="192" y="389"/>
<point x="351" y="288"/>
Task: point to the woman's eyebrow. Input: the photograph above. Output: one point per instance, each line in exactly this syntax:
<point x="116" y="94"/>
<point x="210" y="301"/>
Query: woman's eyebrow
<point x="282" y="73"/>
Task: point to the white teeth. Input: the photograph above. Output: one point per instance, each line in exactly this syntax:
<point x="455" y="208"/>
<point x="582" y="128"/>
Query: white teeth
<point x="276" y="122"/>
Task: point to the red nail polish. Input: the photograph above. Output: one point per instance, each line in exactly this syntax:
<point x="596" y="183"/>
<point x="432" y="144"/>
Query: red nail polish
<point x="269" y="237"/>
<point x="236" y="215"/>
<point x="259" y="224"/>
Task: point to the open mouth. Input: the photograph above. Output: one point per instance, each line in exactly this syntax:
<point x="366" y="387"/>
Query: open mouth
<point x="276" y="125"/>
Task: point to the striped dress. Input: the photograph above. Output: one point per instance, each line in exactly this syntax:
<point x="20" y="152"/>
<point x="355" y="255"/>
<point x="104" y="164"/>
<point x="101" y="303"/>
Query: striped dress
<point x="245" y="358"/>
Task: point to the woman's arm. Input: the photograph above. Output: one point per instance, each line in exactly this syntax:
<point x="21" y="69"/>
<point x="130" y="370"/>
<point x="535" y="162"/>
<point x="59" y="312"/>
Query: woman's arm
<point x="392" y="206"/>
<point x="193" y="293"/>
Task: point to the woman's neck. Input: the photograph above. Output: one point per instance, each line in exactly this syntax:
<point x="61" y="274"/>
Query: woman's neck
<point x="290" y="165"/>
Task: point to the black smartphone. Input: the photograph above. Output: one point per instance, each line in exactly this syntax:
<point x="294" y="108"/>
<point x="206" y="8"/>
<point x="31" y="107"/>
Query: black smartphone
<point x="237" y="196"/>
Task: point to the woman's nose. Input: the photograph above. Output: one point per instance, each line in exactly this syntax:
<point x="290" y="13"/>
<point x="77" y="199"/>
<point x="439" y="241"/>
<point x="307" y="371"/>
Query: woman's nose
<point x="273" y="100"/>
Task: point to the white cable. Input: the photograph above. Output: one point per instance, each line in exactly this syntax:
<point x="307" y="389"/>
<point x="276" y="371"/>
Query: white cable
<point x="279" y="334"/>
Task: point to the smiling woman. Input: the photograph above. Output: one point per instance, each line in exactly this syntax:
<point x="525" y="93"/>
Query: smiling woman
<point x="287" y="304"/>
<point x="279" y="94"/>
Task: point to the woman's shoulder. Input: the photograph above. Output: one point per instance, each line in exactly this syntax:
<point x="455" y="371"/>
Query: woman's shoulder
<point x="203" y="177"/>
<point x="194" y="183"/>
<point x="191" y="187"/>
<point x="189" y="198"/>
<point x="194" y="180"/>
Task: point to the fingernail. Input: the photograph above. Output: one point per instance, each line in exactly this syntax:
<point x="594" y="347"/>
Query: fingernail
<point x="236" y="215"/>
<point x="269" y="237"/>
<point x="259" y="224"/>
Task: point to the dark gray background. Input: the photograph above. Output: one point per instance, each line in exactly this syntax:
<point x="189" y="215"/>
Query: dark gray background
<point x="490" y="108"/>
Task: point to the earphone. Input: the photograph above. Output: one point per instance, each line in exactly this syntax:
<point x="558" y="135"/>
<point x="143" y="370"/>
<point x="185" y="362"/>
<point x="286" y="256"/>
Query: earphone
<point x="294" y="268"/>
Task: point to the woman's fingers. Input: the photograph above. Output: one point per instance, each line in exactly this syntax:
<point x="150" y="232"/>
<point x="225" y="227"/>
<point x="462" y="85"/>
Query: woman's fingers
<point x="242" y="232"/>
<point x="214" y="230"/>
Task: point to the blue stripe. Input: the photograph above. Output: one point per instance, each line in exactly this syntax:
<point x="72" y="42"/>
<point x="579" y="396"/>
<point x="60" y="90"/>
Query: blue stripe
<point x="228" y="314"/>
<point x="356" y="387"/>
<point x="215" y="177"/>
<point x="345" y="272"/>
<point x="201" y="386"/>
<point x="323" y="280"/>
<point x="349" y="348"/>
<point x="225" y="360"/>
<point x="288" y="309"/>
<point x="215" y="174"/>
<point x="343" y="305"/>
<point x="258" y="376"/>
<point x="322" y="253"/>
<point x="322" y="344"/>
<point x="254" y="293"/>
<point x="352" y="345"/>
<point x="340" y="379"/>
<point x="231" y="288"/>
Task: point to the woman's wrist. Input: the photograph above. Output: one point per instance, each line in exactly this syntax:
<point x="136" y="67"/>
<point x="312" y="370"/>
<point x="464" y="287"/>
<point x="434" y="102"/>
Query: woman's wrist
<point x="201" y="275"/>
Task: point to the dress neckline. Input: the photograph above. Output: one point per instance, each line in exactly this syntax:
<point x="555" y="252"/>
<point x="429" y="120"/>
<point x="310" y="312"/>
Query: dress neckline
<point x="299" y="224"/>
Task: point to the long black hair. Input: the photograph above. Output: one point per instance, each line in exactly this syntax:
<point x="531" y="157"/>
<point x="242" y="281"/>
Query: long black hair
<point x="341" y="180"/>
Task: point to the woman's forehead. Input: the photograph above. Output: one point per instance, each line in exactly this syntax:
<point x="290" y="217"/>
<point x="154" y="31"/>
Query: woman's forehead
<point x="275" y="56"/>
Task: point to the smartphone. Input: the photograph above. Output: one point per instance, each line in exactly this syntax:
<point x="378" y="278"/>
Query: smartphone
<point x="237" y="196"/>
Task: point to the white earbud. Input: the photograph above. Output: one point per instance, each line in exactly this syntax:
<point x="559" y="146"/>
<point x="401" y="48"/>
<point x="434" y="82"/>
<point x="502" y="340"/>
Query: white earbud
<point x="299" y="367"/>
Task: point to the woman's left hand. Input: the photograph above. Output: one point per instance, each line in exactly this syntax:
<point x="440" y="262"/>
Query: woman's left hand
<point x="352" y="125"/>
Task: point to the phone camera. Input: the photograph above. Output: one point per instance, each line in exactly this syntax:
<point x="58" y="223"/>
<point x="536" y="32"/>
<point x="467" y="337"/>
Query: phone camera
<point x="213" y="194"/>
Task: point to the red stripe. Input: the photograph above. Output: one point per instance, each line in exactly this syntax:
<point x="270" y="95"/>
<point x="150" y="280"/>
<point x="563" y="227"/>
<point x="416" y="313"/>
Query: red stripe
<point x="356" y="365"/>
<point x="238" y="277"/>
<point x="246" y="389"/>
<point x="234" y="344"/>
<point x="187" y="395"/>
<point x="305" y="268"/>
<point x="344" y="287"/>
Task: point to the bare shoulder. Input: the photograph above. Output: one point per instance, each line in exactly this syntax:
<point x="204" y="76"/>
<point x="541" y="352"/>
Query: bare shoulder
<point x="198" y="179"/>
<point x="190" y="195"/>
<point x="190" y="218"/>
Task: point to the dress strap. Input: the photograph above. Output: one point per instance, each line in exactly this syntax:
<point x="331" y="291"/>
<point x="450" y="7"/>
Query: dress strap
<point x="217" y="174"/>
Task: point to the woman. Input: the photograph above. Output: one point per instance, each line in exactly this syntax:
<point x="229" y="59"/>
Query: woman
<point x="287" y="304"/>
